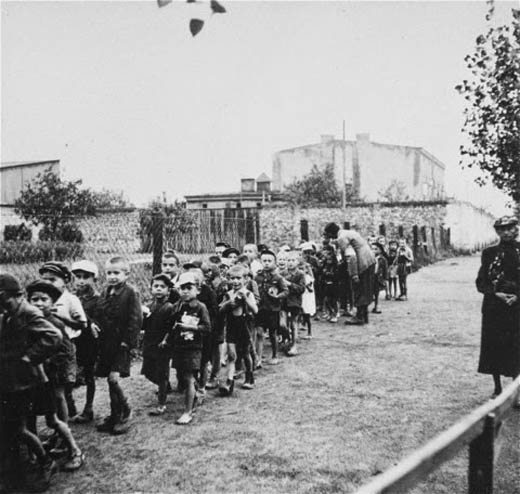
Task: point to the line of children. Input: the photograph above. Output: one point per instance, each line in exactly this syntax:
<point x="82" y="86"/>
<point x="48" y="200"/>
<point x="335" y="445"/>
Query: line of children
<point x="192" y="316"/>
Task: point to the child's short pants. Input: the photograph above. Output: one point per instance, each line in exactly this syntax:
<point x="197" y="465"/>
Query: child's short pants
<point x="187" y="360"/>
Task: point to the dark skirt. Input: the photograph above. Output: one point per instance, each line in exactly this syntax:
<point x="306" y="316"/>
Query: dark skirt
<point x="500" y="341"/>
<point x="186" y="360"/>
<point x="364" y="290"/>
<point x="156" y="364"/>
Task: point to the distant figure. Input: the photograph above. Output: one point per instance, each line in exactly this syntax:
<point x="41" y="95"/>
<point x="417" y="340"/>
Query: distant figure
<point x="363" y="269"/>
<point x="499" y="280"/>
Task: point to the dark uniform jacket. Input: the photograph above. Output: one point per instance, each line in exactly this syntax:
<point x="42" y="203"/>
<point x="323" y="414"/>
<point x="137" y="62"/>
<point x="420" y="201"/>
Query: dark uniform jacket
<point x="121" y="315"/>
<point x="271" y="279"/>
<point x="500" y="340"/>
<point x="296" y="286"/>
<point x="26" y="332"/>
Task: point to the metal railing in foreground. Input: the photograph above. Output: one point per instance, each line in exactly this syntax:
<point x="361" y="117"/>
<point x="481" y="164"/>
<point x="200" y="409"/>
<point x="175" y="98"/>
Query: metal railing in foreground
<point x="481" y="429"/>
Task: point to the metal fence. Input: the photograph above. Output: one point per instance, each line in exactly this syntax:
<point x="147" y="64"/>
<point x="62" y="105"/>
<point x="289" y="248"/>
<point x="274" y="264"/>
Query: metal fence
<point x="139" y="236"/>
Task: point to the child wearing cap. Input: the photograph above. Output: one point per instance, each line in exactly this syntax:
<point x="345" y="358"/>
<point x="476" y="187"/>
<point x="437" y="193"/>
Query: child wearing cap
<point x="121" y="321"/>
<point x="156" y="359"/>
<point x="68" y="309"/>
<point x="190" y="321"/>
<point x="57" y="372"/>
<point x="85" y="275"/>
<point x="26" y="340"/>
<point x="231" y="254"/>
<point x="239" y="308"/>
<point x="273" y="290"/>
<point x="208" y="297"/>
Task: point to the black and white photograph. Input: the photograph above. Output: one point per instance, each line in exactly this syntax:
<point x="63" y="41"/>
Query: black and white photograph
<point x="264" y="247"/>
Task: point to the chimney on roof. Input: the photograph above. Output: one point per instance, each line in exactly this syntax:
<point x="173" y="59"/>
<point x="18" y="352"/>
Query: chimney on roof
<point x="326" y="138"/>
<point x="263" y="183"/>
<point x="247" y="185"/>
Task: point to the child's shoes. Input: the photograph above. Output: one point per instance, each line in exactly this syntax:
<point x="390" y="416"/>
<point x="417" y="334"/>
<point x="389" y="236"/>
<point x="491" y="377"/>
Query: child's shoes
<point x="75" y="462"/>
<point x="184" y="419"/>
<point x="160" y="410"/>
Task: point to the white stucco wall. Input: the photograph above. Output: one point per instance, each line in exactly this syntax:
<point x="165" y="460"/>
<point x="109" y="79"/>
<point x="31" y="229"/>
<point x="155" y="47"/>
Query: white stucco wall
<point x="471" y="228"/>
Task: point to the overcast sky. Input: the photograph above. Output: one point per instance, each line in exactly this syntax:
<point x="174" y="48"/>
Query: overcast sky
<point x="124" y="96"/>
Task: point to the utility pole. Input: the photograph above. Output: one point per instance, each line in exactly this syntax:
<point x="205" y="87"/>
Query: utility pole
<point x="343" y="181"/>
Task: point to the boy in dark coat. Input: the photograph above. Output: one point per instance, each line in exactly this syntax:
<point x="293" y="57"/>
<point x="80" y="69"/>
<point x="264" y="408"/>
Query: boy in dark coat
<point x="121" y="321"/>
<point x="273" y="290"/>
<point x="26" y="340"/>
<point x="190" y="322"/>
<point x="157" y="324"/>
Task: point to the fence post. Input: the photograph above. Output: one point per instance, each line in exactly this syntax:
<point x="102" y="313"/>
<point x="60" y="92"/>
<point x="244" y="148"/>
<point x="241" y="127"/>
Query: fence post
<point x="481" y="459"/>
<point x="157" y="239"/>
<point x="304" y="230"/>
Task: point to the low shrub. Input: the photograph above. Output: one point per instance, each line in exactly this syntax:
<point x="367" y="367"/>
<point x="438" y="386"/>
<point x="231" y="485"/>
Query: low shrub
<point x="17" y="232"/>
<point x="20" y="252"/>
<point x="68" y="232"/>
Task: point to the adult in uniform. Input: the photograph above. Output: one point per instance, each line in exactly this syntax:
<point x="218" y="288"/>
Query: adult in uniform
<point x="499" y="280"/>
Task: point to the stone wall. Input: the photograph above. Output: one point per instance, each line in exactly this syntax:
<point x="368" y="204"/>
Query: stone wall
<point x="279" y="225"/>
<point x="423" y="223"/>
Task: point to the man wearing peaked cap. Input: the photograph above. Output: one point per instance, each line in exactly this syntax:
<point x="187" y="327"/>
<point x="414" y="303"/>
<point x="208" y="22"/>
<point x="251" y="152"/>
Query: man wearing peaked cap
<point x="505" y="221"/>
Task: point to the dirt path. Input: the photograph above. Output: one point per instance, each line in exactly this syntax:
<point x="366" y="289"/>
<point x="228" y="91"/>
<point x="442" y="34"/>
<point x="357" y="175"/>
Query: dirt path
<point x="352" y="403"/>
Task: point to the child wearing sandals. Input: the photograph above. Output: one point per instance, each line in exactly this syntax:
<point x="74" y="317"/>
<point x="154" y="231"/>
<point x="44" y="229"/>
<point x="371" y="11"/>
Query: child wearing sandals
<point x="55" y="374"/>
<point x="156" y="324"/>
<point x="69" y="310"/>
<point x="239" y="307"/>
<point x="190" y="321"/>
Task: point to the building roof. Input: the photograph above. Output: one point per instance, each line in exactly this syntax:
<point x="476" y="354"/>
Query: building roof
<point x="232" y="196"/>
<point x="19" y="164"/>
<point x="263" y="178"/>
<point x="339" y="142"/>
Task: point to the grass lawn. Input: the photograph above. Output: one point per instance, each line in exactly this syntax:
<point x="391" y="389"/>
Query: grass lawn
<point x="354" y="402"/>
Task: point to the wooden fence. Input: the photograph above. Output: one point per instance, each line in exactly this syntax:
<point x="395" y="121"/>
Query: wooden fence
<point x="481" y="430"/>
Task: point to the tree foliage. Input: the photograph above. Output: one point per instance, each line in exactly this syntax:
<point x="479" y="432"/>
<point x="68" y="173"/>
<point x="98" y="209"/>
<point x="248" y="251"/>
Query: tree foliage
<point x="56" y="205"/>
<point x="317" y="188"/>
<point x="176" y="220"/>
<point x="395" y="192"/>
<point x="110" y="199"/>
<point x="492" y="113"/>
